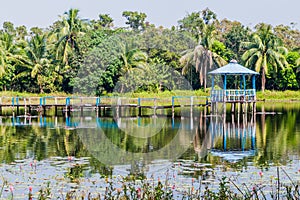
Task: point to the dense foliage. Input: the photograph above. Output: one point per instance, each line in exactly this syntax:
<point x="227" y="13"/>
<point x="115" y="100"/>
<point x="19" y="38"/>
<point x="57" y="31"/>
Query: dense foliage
<point x="94" y="57"/>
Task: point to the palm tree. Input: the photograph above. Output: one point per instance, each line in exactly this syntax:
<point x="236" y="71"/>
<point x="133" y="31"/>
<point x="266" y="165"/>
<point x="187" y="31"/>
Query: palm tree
<point x="133" y="60"/>
<point x="66" y="34"/>
<point x="202" y="56"/>
<point x="36" y="64"/>
<point x="263" y="52"/>
<point x="11" y="55"/>
<point x="7" y="51"/>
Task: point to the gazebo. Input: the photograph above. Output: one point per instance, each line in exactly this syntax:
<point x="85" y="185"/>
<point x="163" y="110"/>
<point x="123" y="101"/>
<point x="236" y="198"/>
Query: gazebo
<point x="240" y="95"/>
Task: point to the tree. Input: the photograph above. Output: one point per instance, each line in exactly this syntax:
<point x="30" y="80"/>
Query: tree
<point x="7" y="48"/>
<point x="21" y="32"/>
<point x="37" y="65"/>
<point x="105" y="20"/>
<point x="135" y="20"/>
<point x="8" y="27"/>
<point x="234" y="37"/>
<point x="36" y="31"/>
<point x="193" y="23"/>
<point x="10" y="56"/>
<point x="290" y="37"/>
<point x="132" y="60"/>
<point x="66" y="33"/>
<point x="264" y="52"/>
<point x="202" y="56"/>
<point x="208" y="16"/>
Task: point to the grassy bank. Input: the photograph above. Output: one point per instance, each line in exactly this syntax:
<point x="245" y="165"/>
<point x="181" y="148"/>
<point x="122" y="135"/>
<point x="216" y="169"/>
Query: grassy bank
<point x="267" y="95"/>
<point x="279" y="95"/>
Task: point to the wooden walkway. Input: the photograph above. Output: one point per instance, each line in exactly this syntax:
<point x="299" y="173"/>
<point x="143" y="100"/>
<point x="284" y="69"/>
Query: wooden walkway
<point x="69" y="104"/>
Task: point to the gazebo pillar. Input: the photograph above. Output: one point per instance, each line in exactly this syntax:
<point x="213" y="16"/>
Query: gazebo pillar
<point x="253" y="82"/>
<point x="254" y="100"/>
<point x="245" y="98"/>
<point x="225" y="81"/>
<point x="244" y="80"/>
<point x="224" y="94"/>
<point x="212" y="92"/>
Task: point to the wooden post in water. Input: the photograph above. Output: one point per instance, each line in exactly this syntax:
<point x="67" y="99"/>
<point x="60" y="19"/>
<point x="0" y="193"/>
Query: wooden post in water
<point x="29" y="105"/>
<point x="233" y="107"/>
<point x="155" y="105"/>
<point x="81" y="107"/>
<point x="192" y="104"/>
<point x="0" y="105"/>
<point x="55" y="106"/>
<point x="104" y="110"/>
<point x="44" y="106"/>
<point x="13" y="105"/>
<point x="18" y="108"/>
<point x="119" y="103"/>
<point x="139" y="107"/>
<point x="25" y="106"/>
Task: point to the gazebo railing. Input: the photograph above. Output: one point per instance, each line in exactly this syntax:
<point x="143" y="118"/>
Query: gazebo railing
<point x="233" y="95"/>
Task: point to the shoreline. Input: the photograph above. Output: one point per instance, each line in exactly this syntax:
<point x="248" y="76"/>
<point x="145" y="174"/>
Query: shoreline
<point x="267" y="96"/>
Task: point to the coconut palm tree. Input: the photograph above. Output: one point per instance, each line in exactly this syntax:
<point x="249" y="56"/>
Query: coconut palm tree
<point x="7" y="51"/>
<point x="65" y="35"/>
<point x="11" y="55"/>
<point x="264" y="51"/>
<point x="202" y="56"/>
<point x="133" y="60"/>
<point x="36" y="64"/>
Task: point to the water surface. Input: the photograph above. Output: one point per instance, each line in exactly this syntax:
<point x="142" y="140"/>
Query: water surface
<point x="80" y="152"/>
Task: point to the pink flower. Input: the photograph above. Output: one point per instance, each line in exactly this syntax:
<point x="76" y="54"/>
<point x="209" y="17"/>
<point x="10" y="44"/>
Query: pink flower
<point x="30" y="189"/>
<point x="11" y="188"/>
<point x="139" y="193"/>
<point x="261" y="173"/>
<point x="173" y="187"/>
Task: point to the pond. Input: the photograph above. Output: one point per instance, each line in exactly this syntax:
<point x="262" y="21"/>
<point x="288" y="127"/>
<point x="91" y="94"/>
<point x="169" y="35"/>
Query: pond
<point x="86" y="153"/>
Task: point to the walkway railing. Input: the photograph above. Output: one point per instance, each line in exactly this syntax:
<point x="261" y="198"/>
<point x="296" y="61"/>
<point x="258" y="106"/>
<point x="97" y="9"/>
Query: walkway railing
<point x="233" y="95"/>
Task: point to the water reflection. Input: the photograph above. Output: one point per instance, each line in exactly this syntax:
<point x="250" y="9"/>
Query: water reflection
<point x="232" y="140"/>
<point x="141" y="145"/>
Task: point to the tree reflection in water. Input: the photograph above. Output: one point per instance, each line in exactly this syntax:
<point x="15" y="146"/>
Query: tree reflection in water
<point x="270" y="136"/>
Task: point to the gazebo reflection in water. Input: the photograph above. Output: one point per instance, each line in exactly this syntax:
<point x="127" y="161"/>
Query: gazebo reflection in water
<point x="231" y="140"/>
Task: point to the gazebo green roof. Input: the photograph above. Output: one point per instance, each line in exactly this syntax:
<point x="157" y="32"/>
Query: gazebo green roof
<point x="233" y="68"/>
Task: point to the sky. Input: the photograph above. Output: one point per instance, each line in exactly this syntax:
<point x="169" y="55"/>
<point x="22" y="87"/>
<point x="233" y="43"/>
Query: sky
<point x="43" y="13"/>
